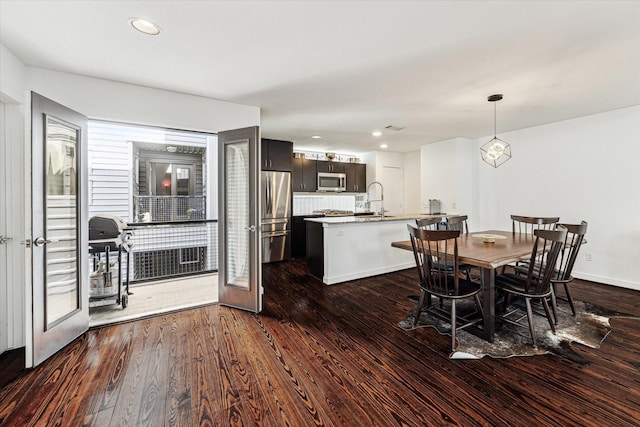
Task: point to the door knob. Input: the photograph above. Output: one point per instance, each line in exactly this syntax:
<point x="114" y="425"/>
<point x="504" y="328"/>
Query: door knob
<point x="41" y="241"/>
<point x="4" y="240"/>
<point x="251" y="228"/>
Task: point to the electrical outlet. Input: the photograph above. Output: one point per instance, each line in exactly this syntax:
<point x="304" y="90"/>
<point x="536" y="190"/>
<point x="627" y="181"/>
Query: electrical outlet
<point x="588" y="256"/>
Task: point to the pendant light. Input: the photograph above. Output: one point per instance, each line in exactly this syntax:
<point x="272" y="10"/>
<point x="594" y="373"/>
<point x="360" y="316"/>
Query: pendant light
<point x="496" y="151"/>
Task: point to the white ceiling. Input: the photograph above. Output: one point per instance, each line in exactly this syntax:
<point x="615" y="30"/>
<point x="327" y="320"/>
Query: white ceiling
<point x="342" y="69"/>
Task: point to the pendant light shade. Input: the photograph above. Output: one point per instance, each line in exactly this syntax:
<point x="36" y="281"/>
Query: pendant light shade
<point x="496" y="151"/>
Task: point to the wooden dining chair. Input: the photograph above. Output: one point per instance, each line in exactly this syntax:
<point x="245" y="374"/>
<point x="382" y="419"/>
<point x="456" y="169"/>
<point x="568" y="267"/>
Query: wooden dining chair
<point x="437" y="279"/>
<point x="429" y="223"/>
<point x="528" y="224"/>
<point x="458" y="222"/>
<point x="566" y="260"/>
<point x="536" y="284"/>
<point x="564" y="265"/>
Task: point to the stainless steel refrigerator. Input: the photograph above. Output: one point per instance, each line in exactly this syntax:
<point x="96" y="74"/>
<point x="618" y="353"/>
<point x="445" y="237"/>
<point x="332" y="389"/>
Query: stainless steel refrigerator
<point x="276" y="216"/>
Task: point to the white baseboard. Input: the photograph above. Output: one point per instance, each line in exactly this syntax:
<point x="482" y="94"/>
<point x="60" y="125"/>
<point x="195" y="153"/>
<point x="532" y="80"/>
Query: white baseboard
<point x="607" y="280"/>
<point x="332" y="280"/>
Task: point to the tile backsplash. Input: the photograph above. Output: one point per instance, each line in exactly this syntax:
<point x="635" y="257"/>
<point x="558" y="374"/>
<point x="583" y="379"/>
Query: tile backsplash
<point x="305" y="204"/>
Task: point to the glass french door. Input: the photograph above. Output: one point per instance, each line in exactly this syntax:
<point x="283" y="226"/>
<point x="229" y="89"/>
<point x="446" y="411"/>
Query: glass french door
<point x="59" y="240"/>
<point x="239" y="271"/>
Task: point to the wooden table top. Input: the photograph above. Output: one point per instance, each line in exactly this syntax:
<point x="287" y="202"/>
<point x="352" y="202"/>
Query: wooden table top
<point x="474" y="251"/>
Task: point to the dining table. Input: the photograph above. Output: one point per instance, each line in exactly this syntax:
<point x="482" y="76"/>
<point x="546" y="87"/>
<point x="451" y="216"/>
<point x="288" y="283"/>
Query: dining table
<point x="488" y="250"/>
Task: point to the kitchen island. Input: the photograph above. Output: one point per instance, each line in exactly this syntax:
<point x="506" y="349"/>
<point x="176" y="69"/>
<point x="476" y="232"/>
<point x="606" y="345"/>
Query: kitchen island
<point x="352" y="247"/>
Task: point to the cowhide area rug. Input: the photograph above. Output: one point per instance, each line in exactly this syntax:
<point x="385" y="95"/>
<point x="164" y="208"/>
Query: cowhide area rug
<point x="589" y="327"/>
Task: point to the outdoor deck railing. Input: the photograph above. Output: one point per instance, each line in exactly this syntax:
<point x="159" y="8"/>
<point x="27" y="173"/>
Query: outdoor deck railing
<point x="163" y="250"/>
<point x="169" y="208"/>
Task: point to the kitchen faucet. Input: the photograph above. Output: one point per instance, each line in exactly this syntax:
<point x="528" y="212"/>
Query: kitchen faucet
<point x="381" y="200"/>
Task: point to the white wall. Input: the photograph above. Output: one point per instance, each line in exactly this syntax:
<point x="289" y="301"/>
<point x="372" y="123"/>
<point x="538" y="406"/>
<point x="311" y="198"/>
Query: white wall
<point x="579" y="169"/>
<point x="12" y="72"/>
<point x="108" y="100"/>
<point x="448" y="170"/>
<point x="412" y="182"/>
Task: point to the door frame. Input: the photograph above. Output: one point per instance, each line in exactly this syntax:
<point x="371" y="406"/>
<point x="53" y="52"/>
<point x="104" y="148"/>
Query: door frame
<point x="13" y="162"/>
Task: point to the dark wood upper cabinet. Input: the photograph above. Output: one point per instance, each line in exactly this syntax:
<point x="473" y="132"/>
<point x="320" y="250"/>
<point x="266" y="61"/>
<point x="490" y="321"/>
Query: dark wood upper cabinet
<point x="356" y="177"/>
<point x="276" y="155"/>
<point x="325" y="166"/>
<point x="304" y="175"/>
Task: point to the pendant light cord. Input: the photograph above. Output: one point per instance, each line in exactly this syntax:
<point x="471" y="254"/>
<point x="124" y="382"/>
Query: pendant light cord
<point x="494" y="121"/>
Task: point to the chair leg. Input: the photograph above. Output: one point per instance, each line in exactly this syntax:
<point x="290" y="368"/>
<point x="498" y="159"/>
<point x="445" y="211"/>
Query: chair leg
<point x="545" y="304"/>
<point x="569" y="298"/>
<point x="554" y="304"/>
<point x="530" y="318"/>
<point x="423" y="294"/>
<point x="479" y="305"/>
<point x="469" y="274"/>
<point x="507" y="300"/>
<point x="453" y="324"/>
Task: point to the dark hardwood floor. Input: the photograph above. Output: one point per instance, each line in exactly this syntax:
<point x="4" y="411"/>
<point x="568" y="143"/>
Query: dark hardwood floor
<point x="324" y="355"/>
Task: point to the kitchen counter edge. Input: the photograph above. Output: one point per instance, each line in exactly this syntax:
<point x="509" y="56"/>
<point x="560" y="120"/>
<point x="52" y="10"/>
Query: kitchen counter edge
<point x="369" y="219"/>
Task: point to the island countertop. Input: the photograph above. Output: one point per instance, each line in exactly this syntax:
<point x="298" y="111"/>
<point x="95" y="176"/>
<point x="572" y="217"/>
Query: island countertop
<point x="371" y="218"/>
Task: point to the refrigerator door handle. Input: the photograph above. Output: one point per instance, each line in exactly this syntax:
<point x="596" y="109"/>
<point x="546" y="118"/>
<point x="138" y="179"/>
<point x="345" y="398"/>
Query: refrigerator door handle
<point x="270" y="184"/>
<point x="276" y="234"/>
<point x="274" y="221"/>
<point x="266" y="195"/>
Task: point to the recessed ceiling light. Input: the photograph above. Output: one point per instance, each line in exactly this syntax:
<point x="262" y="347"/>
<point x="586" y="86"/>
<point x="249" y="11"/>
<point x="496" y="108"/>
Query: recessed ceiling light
<point x="145" y="26"/>
<point x="383" y="145"/>
<point x="376" y="133"/>
<point x="316" y="137"/>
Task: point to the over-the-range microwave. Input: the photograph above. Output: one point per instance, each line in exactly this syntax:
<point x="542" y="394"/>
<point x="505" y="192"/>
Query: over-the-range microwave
<point x="331" y="181"/>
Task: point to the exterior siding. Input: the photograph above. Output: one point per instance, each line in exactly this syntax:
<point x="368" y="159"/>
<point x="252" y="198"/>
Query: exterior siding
<point x="112" y="163"/>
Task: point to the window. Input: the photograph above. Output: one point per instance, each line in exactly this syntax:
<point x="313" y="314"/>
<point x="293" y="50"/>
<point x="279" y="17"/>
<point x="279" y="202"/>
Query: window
<point x="170" y="179"/>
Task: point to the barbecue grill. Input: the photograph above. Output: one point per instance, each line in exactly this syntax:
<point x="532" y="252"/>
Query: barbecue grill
<point x="106" y="230"/>
<point x="109" y="233"/>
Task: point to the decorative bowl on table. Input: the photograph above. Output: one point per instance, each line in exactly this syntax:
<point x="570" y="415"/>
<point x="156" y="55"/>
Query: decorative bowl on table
<point x="488" y="238"/>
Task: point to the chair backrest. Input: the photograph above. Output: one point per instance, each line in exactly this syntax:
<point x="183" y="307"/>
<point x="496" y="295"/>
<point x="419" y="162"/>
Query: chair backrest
<point x="570" y="249"/>
<point x="458" y="222"/>
<point x="428" y="223"/>
<point x="436" y="256"/>
<point x="528" y="224"/>
<point x="544" y="255"/>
